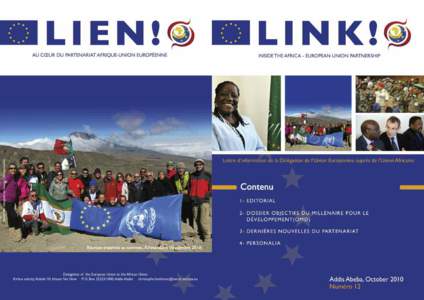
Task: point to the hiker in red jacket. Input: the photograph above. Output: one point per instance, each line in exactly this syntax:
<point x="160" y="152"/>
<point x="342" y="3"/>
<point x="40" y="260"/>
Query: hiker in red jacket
<point x="76" y="186"/>
<point x="199" y="190"/>
<point x="119" y="183"/>
<point x="110" y="186"/>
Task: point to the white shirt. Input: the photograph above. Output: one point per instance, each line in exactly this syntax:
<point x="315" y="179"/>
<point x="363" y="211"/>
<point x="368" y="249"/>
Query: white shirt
<point x="381" y="96"/>
<point x="367" y="140"/>
<point x="28" y="209"/>
<point x="125" y="191"/>
<point x="226" y="138"/>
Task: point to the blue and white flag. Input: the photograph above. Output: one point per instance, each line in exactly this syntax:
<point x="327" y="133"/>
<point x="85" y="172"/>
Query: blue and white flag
<point x="159" y="218"/>
<point x="96" y="220"/>
<point x="18" y="32"/>
<point x="230" y="32"/>
<point x="333" y="139"/>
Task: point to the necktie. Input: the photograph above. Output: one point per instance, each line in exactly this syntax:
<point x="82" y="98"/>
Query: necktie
<point x="373" y="146"/>
<point x="394" y="146"/>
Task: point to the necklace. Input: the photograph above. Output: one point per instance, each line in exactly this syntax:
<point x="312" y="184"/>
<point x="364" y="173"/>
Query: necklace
<point x="234" y="129"/>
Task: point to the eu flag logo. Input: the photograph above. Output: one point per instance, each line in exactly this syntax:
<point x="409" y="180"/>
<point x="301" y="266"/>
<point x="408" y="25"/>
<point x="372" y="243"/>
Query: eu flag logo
<point x="231" y="32"/>
<point x="95" y="220"/>
<point x="18" y="33"/>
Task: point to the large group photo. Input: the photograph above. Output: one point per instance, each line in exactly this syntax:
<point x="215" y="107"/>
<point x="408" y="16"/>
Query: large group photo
<point x="318" y="113"/>
<point x="124" y="166"/>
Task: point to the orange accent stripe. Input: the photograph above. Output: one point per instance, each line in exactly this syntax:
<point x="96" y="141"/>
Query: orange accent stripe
<point x="223" y="187"/>
<point x="405" y="187"/>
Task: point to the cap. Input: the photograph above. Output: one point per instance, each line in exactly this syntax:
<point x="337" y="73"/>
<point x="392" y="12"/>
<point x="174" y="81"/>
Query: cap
<point x="170" y="163"/>
<point x="92" y="182"/>
<point x="180" y="165"/>
<point x="200" y="161"/>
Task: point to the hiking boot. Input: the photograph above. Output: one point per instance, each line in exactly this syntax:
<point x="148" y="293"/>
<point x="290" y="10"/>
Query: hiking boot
<point x="35" y="229"/>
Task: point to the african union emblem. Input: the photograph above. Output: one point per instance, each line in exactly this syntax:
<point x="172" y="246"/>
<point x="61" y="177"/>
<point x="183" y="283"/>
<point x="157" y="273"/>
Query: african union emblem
<point x="18" y="33"/>
<point x="231" y="32"/>
<point x="180" y="33"/>
<point x="397" y="33"/>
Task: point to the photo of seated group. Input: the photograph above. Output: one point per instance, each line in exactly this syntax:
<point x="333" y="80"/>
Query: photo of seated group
<point x="389" y="132"/>
<point x="105" y="164"/>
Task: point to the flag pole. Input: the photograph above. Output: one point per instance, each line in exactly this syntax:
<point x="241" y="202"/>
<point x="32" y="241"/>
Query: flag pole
<point x="73" y="153"/>
<point x="4" y="191"/>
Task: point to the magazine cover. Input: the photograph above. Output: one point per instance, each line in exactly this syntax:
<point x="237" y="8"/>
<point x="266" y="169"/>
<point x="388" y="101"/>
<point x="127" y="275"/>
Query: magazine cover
<point x="211" y="150"/>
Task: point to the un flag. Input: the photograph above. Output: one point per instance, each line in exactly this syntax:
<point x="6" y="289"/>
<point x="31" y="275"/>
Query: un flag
<point x="231" y="32"/>
<point x="159" y="218"/>
<point x="333" y="139"/>
<point x="18" y="33"/>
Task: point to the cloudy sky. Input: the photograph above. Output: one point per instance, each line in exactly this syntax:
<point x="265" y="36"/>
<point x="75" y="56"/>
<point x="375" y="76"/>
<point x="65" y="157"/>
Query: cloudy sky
<point x="325" y="95"/>
<point x="149" y="112"/>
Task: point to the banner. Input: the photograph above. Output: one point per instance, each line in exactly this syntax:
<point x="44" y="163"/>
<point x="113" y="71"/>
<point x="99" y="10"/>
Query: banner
<point x="96" y="220"/>
<point x="333" y="139"/>
<point x="62" y="147"/>
<point x="274" y="117"/>
<point x="58" y="213"/>
<point x="159" y="218"/>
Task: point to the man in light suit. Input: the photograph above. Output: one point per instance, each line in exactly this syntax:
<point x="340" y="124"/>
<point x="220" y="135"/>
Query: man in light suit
<point x="369" y="140"/>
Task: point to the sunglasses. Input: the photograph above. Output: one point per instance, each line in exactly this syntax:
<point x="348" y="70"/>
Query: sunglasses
<point x="12" y="168"/>
<point x="34" y="195"/>
<point x="73" y="173"/>
<point x="60" y="174"/>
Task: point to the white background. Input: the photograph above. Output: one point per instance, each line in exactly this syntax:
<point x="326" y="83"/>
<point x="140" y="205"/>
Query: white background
<point x="201" y="58"/>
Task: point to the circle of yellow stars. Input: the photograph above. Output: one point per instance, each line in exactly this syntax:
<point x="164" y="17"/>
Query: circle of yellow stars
<point x="18" y="26"/>
<point x="239" y="33"/>
<point x="94" y="228"/>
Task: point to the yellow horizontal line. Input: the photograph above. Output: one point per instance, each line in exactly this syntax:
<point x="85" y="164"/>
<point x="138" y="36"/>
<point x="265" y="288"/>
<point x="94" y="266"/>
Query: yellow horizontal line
<point x="405" y="187"/>
<point x="228" y="187"/>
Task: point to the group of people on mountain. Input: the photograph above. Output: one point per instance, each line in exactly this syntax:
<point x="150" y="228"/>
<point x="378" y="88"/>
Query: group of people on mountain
<point x="25" y="211"/>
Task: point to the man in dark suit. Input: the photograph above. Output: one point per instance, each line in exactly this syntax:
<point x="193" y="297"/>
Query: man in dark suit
<point x="393" y="141"/>
<point x="414" y="139"/>
<point x="369" y="140"/>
